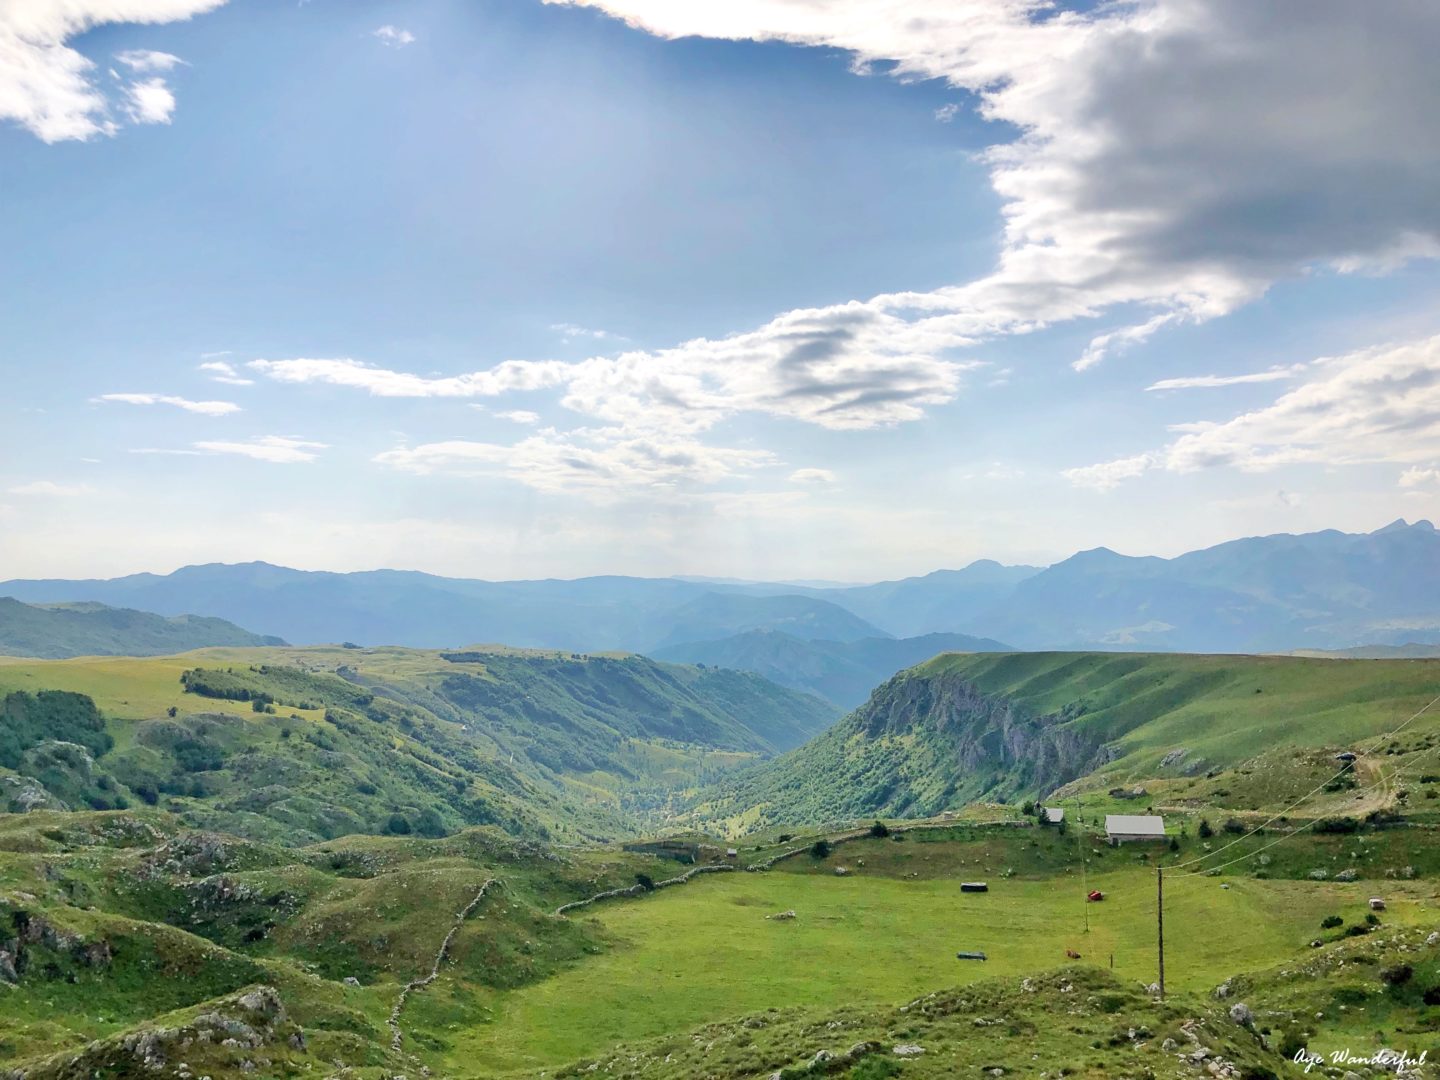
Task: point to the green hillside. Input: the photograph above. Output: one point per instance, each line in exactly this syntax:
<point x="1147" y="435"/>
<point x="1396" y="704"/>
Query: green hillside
<point x="298" y="745"/>
<point x="961" y="728"/>
<point x="52" y="631"/>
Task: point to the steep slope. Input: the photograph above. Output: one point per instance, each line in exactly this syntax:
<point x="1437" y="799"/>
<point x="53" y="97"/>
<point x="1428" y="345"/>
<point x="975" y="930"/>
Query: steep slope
<point x="53" y="631"/>
<point x="841" y="672"/>
<point x="966" y="727"/>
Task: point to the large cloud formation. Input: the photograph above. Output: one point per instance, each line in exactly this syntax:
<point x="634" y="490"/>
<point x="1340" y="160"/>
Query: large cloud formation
<point x="53" y="90"/>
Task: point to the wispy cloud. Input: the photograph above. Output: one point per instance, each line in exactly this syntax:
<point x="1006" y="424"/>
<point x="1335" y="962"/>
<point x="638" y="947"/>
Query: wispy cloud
<point x="570" y="332"/>
<point x="520" y="416"/>
<point x="276" y="449"/>
<point x="145" y="61"/>
<point x="812" y="476"/>
<point x="48" y="488"/>
<point x="597" y="462"/>
<point x="223" y="371"/>
<point x="149" y="101"/>
<point x="1201" y="382"/>
<point x="393" y="36"/>
<point x="1375" y="405"/>
<point x="205" y="408"/>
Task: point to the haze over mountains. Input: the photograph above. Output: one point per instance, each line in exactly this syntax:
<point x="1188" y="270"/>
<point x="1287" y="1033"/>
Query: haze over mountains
<point x="90" y="629"/>
<point x="1324" y="590"/>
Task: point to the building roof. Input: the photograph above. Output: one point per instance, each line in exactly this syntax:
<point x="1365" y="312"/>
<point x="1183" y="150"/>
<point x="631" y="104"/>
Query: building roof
<point x="1054" y="814"/>
<point x="1135" y="824"/>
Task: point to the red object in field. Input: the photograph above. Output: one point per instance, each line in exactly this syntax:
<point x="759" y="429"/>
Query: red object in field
<point x="1095" y="894"/>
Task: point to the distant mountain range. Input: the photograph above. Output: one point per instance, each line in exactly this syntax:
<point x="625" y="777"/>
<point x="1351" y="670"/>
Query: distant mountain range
<point x="54" y="631"/>
<point x="1324" y="590"/>
<point x="840" y="671"/>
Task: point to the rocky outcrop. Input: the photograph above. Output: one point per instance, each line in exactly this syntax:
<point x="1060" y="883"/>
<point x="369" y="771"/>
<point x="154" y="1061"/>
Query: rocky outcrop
<point x="244" y="1031"/>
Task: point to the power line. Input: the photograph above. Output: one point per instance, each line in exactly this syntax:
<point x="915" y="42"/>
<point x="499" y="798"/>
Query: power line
<point x="1311" y="794"/>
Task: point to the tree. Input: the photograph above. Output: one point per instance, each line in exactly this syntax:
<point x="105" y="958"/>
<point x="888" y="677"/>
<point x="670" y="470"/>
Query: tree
<point x="820" y="849"/>
<point x="1205" y="830"/>
<point x="645" y="881"/>
<point x="879" y="830"/>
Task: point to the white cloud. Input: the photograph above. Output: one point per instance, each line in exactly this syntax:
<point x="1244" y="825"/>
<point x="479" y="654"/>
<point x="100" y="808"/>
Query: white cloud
<point x="510" y="375"/>
<point x="596" y="462"/>
<point x="393" y="36"/>
<point x="149" y="101"/>
<point x="1201" y="382"/>
<point x="1309" y="146"/>
<point x="49" y="488"/>
<point x="204" y="408"/>
<point x="49" y="88"/>
<point x="223" y="371"/>
<point x="520" y="416"/>
<point x="812" y="476"/>
<point x="277" y="449"/>
<point x="570" y="332"/>
<point x="1375" y="405"/>
<point x="1419" y="476"/>
<point x="947" y="113"/>
<point x="145" y="61"/>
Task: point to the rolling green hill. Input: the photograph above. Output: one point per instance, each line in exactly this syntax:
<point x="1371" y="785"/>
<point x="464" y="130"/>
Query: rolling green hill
<point x="844" y="672"/>
<point x="994" y="726"/>
<point x="299" y="745"/>
<point x="52" y="631"/>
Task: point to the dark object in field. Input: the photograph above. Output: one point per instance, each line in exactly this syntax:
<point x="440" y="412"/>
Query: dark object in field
<point x="1095" y="896"/>
<point x="970" y="956"/>
<point x="1071" y="954"/>
<point x="974" y="886"/>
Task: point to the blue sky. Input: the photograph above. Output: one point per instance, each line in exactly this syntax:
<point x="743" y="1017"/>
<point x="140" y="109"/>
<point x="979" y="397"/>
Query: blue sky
<point x="747" y="288"/>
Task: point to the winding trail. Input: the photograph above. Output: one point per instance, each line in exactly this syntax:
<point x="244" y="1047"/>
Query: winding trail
<point x="396" y="1036"/>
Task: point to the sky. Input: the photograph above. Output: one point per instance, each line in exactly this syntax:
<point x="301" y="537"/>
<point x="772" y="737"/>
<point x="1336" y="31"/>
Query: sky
<point x="842" y="290"/>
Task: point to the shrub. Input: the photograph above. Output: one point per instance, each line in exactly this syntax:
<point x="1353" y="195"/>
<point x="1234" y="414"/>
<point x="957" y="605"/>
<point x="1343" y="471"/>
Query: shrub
<point x="1330" y="922"/>
<point x="1337" y="825"/>
<point x="820" y="849"/>
<point x="1174" y="844"/>
<point x="398" y="825"/>
<point x="1234" y="825"/>
<point x="645" y="881"/>
<point x="879" y="830"/>
<point x="1398" y="975"/>
<point x="1356" y="931"/>
<point x="1205" y="830"/>
<point x="1371" y="919"/>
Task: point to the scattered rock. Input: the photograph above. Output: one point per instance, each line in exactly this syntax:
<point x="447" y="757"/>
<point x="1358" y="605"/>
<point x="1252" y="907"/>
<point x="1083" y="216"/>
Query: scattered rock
<point x="909" y="1050"/>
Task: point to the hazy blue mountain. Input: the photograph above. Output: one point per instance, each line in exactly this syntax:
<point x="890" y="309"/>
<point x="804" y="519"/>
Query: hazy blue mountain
<point x="842" y="672"/>
<point x="54" y="631"/>
<point x="1328" y="590"/>
<point x="1324" y="590"/>
<point x="426" y="611"/>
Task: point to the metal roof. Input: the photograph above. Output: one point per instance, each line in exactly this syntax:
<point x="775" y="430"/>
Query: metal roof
<point x="1135" y="824"/>
<point x="1054" y="814"/>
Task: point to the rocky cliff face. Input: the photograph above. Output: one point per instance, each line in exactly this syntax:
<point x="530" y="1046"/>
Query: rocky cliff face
<point x="923" y="743"/>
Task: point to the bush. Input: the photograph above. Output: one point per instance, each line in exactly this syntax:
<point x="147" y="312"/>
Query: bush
<point x="1398" y="975"/>
<point x="1356" y="931"/>
<point x="1371" y="919"/>
<point x="820" y="849"/>
<point x="397" y="825"/>
<point x="1330" y="922"/>
<point x="1205" y="830"/>
<point x="1235" y="826"/>
<point x="1337" y="825"/>
<point x="879" y="830"/>
<point x="645" y="881"/>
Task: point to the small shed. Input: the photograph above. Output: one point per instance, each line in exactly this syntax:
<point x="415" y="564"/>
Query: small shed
<point x="1053" y="814"/>
<point x="1127" y="828"/>
<point x="974" y="886"/>
<point x="732" y="853"/>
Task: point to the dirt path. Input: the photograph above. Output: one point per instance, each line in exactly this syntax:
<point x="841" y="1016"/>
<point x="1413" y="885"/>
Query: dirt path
<point x="396" y="1037"/>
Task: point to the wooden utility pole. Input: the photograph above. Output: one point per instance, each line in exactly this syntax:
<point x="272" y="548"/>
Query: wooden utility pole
<point x="1084" y="863"/>
<point x="1160" y="923"/>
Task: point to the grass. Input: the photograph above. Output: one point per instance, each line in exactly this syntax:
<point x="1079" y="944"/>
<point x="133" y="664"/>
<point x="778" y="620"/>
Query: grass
<point x="706" y="950"/>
